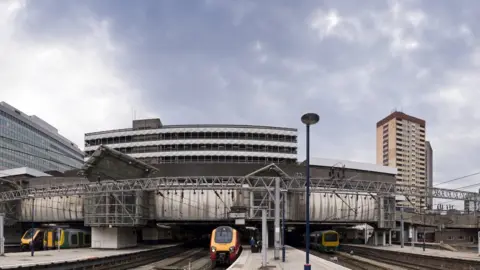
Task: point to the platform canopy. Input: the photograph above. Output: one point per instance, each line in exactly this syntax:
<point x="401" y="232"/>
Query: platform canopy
<point x="109" y="164"/>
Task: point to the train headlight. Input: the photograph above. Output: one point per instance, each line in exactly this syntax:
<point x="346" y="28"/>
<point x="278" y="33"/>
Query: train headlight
<point x="231" y="249"/>
<point x="213" y="249"/>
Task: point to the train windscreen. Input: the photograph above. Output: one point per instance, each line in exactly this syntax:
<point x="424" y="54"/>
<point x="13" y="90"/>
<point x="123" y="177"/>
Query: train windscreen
<point x="223" y="235"/>
<point x="331" y="237"/>
<point x="28" y="234"/>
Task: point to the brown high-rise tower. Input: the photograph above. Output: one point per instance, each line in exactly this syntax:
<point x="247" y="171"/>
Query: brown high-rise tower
<point x="401" y="144"/>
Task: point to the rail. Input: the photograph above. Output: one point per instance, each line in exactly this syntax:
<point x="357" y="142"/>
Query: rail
<point x="412" y="260"/>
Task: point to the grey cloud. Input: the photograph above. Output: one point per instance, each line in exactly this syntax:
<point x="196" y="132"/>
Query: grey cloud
<point x="195" y="64"/>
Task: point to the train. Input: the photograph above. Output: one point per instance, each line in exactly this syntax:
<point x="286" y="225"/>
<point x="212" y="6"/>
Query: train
<point x="325" y="241"/>
<point x="225" y="246"/>
<point x="35" y="235"/>
<point x="47" y="238"/>
<point x="69" y="238"/>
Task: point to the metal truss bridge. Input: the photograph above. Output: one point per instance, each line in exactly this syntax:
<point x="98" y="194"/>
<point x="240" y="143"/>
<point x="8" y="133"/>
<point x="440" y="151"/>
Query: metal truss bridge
<point x="233" y="183"/>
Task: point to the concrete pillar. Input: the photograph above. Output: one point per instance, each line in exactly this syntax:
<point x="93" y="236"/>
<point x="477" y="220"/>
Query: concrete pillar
<point x="2" y="239"/>
<point x="276" y="233"/>
<point x="113" y="238"/>
<point x="264" y="238"/>
<point x="414" y="232"/>
<point x="375" y="238"/>
<point x="390" y="237"/>
<point x="251" y="205"/>
<point x="384" y="235"/>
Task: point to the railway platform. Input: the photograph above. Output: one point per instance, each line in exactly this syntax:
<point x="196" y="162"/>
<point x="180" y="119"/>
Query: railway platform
<point x="294" y="259"/>
<point x="429" y="259"/>
<point x="64" y="256"/>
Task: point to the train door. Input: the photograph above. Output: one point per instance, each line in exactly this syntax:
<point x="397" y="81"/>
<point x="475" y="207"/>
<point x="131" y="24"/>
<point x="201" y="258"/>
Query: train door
<point x="74" y="240"/>
<point x="81" y="240"/>
<point x="51" y="238"/>
<point x="88" y="239"/>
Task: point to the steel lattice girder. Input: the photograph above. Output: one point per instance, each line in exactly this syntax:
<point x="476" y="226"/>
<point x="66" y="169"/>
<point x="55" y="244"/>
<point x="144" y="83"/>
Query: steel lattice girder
<point x="229" y="183"/>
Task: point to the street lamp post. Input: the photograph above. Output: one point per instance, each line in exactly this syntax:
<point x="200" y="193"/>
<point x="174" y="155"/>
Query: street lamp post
<point x="32" y="246"/>
<point x="308" y="119"/>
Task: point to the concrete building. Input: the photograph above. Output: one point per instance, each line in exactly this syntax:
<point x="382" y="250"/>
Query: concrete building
<point x="28" y="141"/>
<point x="429" y="169"/>
<point x="401" y="144"/>
<point x="154" y="143"/>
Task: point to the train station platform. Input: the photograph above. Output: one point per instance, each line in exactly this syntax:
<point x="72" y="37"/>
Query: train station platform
<point x="294" y="259"/>
<point x="444" y="259"/>
<point x="428" y="252"/>
<point x="51" y="257"/>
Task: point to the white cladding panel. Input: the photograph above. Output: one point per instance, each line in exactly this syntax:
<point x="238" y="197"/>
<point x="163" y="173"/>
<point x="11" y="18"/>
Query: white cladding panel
<point x="53" y="209"/>
<point x="354" y="165"/>
<point x="258" y="130"/>
<point x="211" y="153"/>
<point x="197" y="141"/>
<point x="193" y="206"/>
<point x="327" y="207"/>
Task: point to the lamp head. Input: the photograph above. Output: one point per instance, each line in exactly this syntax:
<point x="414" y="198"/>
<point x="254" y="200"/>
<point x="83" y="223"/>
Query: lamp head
<point x="310" y="118"/>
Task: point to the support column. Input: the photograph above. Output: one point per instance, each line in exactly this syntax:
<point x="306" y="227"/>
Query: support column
<point x="414" y="232"/>
<point x="384" y="236"/>
<point x="264" y="237"/>
<point x="402" y="228"/>
<point x="251" y="205"/>
<point x="366" y="234"/>
<point x="2" y="238"/>
<point x="375" y="238"/>
<point x="276" y="233"/>
<point x="390" y="237"/>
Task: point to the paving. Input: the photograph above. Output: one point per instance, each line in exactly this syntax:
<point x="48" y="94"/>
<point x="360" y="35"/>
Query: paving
<point x="294" y="259"/>
<point x="22" y="259"/>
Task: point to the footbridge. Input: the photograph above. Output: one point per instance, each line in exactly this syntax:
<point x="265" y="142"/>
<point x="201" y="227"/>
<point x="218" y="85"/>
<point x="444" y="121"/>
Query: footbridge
<point x="135" y="201"/>
<point x="114" y="190"/>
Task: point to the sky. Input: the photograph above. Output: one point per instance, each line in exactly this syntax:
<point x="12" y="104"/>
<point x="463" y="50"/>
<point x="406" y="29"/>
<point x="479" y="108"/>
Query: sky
<point x="86" y="66"/>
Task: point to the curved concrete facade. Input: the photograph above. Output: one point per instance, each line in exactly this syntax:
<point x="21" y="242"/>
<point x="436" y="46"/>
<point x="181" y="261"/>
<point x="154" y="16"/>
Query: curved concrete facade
<point x="195" y="206"/>
<point x="55" y="209"/>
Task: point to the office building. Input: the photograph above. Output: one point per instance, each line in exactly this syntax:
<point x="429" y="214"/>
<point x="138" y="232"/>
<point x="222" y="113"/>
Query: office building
<point x="401" y="144"/>
<point x="152" y="142"/>
<point x="28" y="141"/>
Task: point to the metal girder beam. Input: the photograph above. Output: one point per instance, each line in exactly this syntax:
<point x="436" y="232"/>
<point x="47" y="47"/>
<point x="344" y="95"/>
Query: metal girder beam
<point x="229" y="183"/>
<point x="440" y="193"/>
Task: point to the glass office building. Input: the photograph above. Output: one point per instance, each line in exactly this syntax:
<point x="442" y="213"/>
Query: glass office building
<point x="28" y="141"/>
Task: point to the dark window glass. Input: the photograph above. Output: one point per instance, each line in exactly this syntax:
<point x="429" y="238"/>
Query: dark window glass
<point x="331" y="237"/>
<point x="29" y="233"/>
<point x="74" y="239"/>
<point x="88" y="238"/>
<point x="223" y="235"/>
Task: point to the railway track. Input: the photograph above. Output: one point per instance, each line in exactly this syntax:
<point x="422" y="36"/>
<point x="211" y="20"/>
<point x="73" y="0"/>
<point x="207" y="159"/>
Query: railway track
<point x="345" y="261"/>
<point x="356" y="263"/>
<point x="413" y="265"/>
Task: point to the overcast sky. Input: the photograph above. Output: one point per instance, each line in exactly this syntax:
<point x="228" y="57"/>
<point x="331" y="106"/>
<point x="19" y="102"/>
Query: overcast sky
<point x="84" y="66"/>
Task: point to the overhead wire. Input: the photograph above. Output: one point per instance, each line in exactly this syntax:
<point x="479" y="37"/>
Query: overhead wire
<point x="456" y="179"/>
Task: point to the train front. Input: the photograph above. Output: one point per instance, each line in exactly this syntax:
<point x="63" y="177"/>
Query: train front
<point x="224" y="245"/>
<point x="330" y="241"/>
